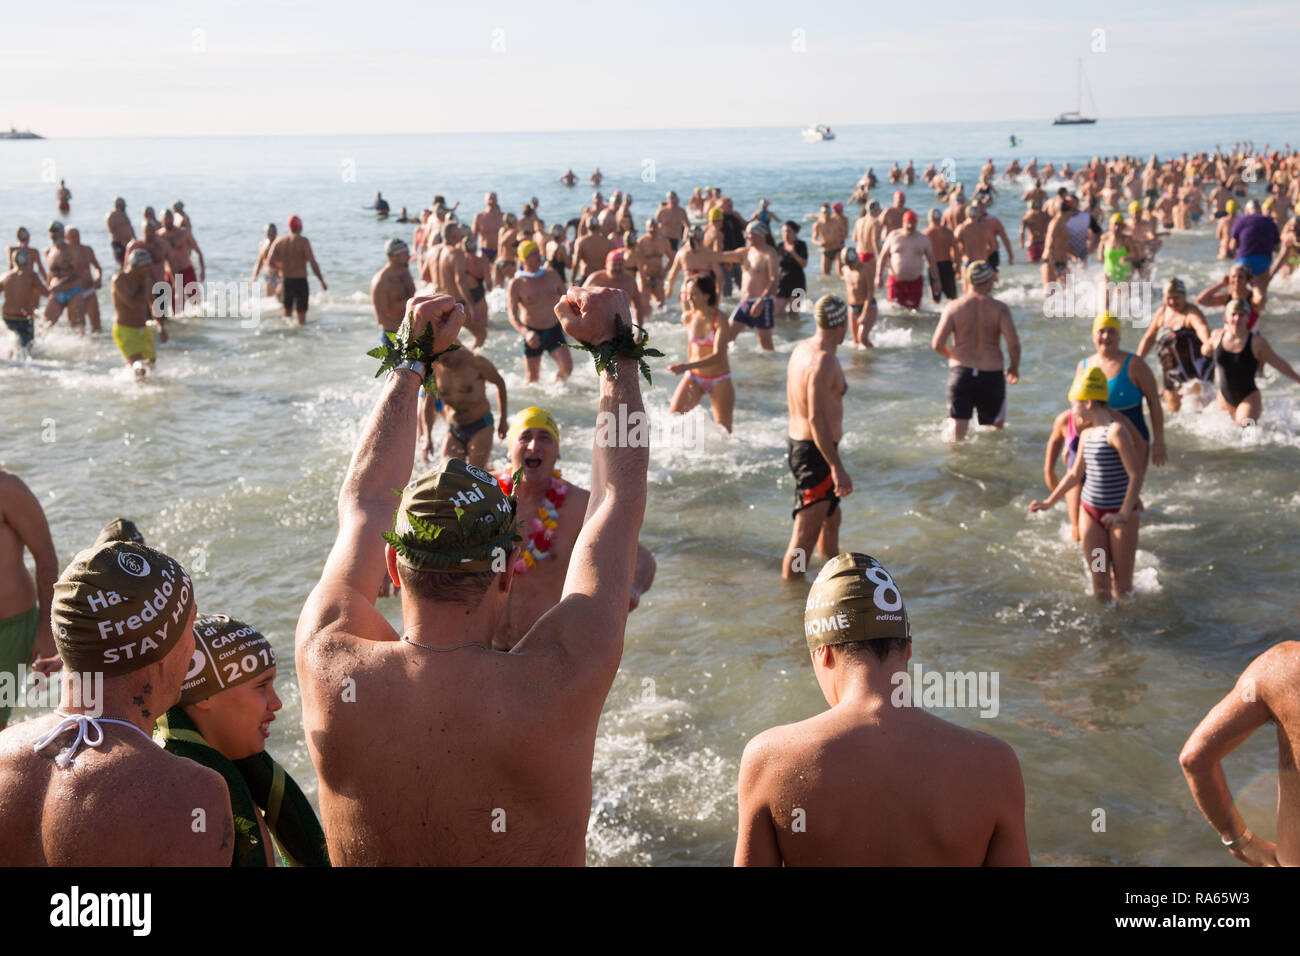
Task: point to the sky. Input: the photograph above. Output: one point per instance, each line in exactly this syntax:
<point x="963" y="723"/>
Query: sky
<point x="149" y="68"/>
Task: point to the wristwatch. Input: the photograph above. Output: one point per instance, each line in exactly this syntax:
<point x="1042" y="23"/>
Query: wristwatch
<point x="415" y="365"/>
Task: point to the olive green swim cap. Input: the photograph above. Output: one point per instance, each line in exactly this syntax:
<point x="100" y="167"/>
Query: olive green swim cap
<point x="830" y="312"/>
<point x="453" y="520"/>
<point x="119" y="529"/>
<point x="227" y="653"/>
<point x="119" y="607"/>
<point x="854" y="599"/>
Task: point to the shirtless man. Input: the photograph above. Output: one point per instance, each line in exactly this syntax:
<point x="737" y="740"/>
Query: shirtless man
<point x="126" y="802"/>
<point x="977" y="238"/>
<point x="569" y="179"/>
<point x="89" y="281"/>
<point x="291" y="255"/>
<point x="892" y="218"/>
<point x="272" y="281"/>
<point x="596" y="178"/>
<point x="860" y="294"/>
<point x="390" y="289"/>
<point x="461" y="378"/>
<point x="673" y="220"/>
<point x="1034" y="224"/>
<point x="487" y="226"/>
<point x="590" y="250"/>
<point x="826" y="235"/>
<point x="1035" y="192"/>
<point x="1056" y="254"/>
<point x="651" y="250"/>
<point x="761" y="267"/>
<point x="182" y="217"/>
<point x="63" y="195"/>
<point x="120" y="230"/>
<point x="65" y="289"/>
<point x="903" y="259"/>
<point x="180" y="268"/>
<point x="977" y="323"/>
<point x="157" y="248"/>
<point x="814" y="392"/>
<point x="955" y="214"/>
<point x="943" y="245"/>
<point x="505" y="741"/>
<point x="530" y="307"/>
<point x="26" y="640"/>
<point x="446" y="266"/>
<point x="22" y="289"/>
<point x="133" y="301"/>
<point x="874" y="781"/>
<point x="1268" y="691"/>
<point x="533" y="446"/>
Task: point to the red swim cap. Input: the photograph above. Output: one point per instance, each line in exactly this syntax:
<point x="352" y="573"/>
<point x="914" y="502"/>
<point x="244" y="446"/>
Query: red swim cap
<point x="909" y="216"/>
<point x="295" y="224"/>
<point x="898" y="194"/>
<point x="614" y="255"/>
<point x="838" y="207"/>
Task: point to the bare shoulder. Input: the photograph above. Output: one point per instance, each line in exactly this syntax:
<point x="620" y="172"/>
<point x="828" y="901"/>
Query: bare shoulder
<point x="1277" y="670"/>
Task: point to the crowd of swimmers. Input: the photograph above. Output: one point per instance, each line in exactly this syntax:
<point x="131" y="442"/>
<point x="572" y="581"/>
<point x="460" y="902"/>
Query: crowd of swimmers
<point x="515" y="585"/>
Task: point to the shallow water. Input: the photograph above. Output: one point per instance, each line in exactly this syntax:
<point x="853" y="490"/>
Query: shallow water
<point x="231" y="458"/>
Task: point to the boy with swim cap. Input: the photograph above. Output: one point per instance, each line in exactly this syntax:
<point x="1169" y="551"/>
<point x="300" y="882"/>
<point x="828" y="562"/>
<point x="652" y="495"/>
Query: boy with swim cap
<point x="222" y="721"/>
<point x="86" y="785"/>
<point x="874" y="780"/>
<point x="503" y="743"/>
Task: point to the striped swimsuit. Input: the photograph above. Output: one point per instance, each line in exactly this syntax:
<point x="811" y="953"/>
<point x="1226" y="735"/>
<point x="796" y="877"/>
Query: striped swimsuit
<point x="1105" y="482"/>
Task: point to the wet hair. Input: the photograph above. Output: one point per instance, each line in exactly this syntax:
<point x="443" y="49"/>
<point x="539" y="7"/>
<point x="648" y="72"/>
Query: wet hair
<point x="441" y="587"/>
<point x="708" y="286"/>
<point x="792" y="225"/>
<point x="879" y="648"/>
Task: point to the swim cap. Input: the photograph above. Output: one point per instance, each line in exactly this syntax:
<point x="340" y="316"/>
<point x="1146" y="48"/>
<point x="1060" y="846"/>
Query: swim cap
<point x="851" y="256"/>
<point x="935" y="215"/>
<point x="118" y="607"/>
<point x="448" y="230"/>
<point x="119" y="203"/>
<point x="1105" y="320"/>
<point x="295" y="224"/>
<point x="1116" y="217"/>
<point x="838" y="207"/>
<point x="270" y="229"/>
<point x="119" y="529"/>
<point x="532" y="417"/>
<point x="1091" y="386"/>
<point x="55" y="226"/>
<point x="227" y="653"/>
<point x="140" y="256"/>
<point x="453" y="520"/>
<point x="898" y="194"/>
<point x="1231" y="205"/>
<point x="909" y="216"/>
<point x="1174" y="284"/>
<point x="21" y="257"/>
<point x="830" y="312"/>
<point x="715" y="214"/>
<point x="873" y="206"/>
<point x="1239" y="305"/>
<point x="854" y="599"/>
<point x="396" y="247"/>
<point x="979" y="272"/>
<point x="756" y="227"/>
<point x="471" y="244"/>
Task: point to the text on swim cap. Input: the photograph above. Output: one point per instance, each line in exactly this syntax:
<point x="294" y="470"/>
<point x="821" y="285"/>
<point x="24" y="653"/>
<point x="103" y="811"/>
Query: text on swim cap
<point x="834" y="622"/>
<point x="467" y="497"/>
<point x="103" y="602"/>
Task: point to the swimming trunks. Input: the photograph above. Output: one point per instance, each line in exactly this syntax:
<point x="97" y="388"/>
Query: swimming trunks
<point x="1105" y="482"/>
<point x="947" y="278"/>
<point x="552" y="338"/>
<point x="1258" y="265"/>
<point x="134" y="341"/>
<point x="17" y="642"/>
<point x="764" y="320"/>
<point x="119" y="252"/>
<point x="67" y="295"/>
<point x="491" y="255"/>
<point x="1179" y="351"/>
<point x="993" y="259"/>
<point x="463" y="433"/>
<point x="981" y="391"/>
<point x="1035" y="251"/>
<point x="832" y="254"/>
<point x="183" y="290"/>
<point x="707" y="382"/>
<point x="476" y="293"/>
<point x="906" y="293"/>
<point x="1235" y="372"/>
<point x="674" y="243"/>
<point x="295" y="294"/>
<point x="813" y="481"/>
<point x="1126" y="397"/>
<point x="22" y="327"/>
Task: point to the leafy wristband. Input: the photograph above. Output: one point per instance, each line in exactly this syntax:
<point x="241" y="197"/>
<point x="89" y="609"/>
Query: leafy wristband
<point x="407" y="348"/>
<point x="623" y="344"/>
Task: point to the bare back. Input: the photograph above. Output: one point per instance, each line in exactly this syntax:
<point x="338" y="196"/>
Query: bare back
<point x="976" y="324"/>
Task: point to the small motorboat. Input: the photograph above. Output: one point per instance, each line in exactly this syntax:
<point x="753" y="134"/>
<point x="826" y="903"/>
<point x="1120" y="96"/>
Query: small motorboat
<point x="817" y="133"/>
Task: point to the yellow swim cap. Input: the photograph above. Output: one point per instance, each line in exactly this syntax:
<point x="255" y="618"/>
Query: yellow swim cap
<point x="715" y="214"/>
<point x="854" y="599"/>
<point x="526" y="249"/>
<point x="1116" y="217"/>
<point x="1105" y="321"/>
<point x="1091" y="386"/>
<point x="532" y="417"/>
<point x="1134" y="207"/>
<point x="1231" y="205"/>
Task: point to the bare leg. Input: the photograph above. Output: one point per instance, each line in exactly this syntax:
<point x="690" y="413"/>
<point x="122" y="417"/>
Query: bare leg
<point x="686" y="397"/>
<point x="828" y="542"/>
<point x="1096" y="554"/>
<point x="869" y="314"/>
<point x="807" y="528"/>
<point x="723" y="399"/>
<point x="564" y="362"/>
<point x="1123" y="549"/>
<point x="1072" y="504"/>
<point x="764" y="339"/>
<point x="532" y="368"/>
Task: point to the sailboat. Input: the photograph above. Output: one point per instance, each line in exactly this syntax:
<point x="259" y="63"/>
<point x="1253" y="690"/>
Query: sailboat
<point x="1076" y="118"/>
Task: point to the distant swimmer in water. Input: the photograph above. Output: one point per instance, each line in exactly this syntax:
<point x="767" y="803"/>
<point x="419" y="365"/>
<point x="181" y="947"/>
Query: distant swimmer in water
<point x="520" y="726"/>
<point x="222" y="721"/>
<point x="272" y="283"/>
<point x="132" y="291"/>
<point x="815" y="388"/>
<point x="291" y="255"/>
<point x="943" y="247"/>
<point x="1267" y="692"/>
<point x="1239" y="355"/>
<point x="402" y="216"/>
<point x="596" y="178"/>
<point x="569" y="179"/>
<point x="552" y="514"/>
<point x="977" y="324"/>
<point x="120" y="230"/>
<point x="530" y="306"/>
<point x="935" y="793"/>
<point x="1013" y="141"/>
<point x="905" y="259"/>
<point x="380" y="206"/>
<point x="64" y="196"/>
<point x="461" y="378"/>
<point x="1034" y="225"/>
<point x="488" y="223"/>
<point x="1110" y="467"/>
<point x="1178" y="332"/>
<point x="1131" y="383"/>
<point x="707" y="371"/>
<point x="22" y="289"/>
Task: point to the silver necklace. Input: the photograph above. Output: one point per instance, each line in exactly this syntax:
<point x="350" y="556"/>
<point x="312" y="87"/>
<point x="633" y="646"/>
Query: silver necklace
<point x="442" y="650"/>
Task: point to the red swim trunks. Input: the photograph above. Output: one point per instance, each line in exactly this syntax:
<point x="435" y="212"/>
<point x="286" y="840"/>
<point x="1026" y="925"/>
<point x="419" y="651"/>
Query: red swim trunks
<point x="184" y="287"/>
<point x="1035" y="252"/>
<point x="907" y="294"/>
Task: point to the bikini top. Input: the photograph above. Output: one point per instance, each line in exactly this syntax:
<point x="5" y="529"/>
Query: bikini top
<point x="89" y="732"/>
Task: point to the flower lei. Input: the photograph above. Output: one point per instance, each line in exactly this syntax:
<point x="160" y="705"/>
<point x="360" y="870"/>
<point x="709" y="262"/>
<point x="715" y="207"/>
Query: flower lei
<point x="541" y="535"/>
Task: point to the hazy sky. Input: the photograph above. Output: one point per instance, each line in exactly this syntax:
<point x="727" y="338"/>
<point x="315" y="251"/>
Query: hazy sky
<point x="147" y="68"/>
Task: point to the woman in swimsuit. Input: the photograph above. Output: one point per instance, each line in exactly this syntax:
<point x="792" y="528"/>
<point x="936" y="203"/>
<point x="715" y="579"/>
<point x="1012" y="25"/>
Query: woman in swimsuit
<point x="1130" y="383"/>
<point x="480" y="273"/>
<point x="707" y="371"/>
<point x="1110" y="468"/>
<point x="1238" y="355"/>
<point x="1118" y="259"/>
<point x="1178" y="332"/>
<point x="1236" y="285"/>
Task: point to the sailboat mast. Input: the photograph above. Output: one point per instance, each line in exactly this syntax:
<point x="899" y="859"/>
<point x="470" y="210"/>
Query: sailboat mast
<point x="1078" y="88"/>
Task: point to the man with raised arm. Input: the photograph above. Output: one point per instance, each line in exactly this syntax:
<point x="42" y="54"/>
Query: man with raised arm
<point x="874" y="780"/>
<point x="1268" y="691"/>
<point x="430" y="747"/>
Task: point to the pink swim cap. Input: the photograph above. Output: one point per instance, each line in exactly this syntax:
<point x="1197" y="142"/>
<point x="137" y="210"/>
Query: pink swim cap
<point x="295" y="224"/>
